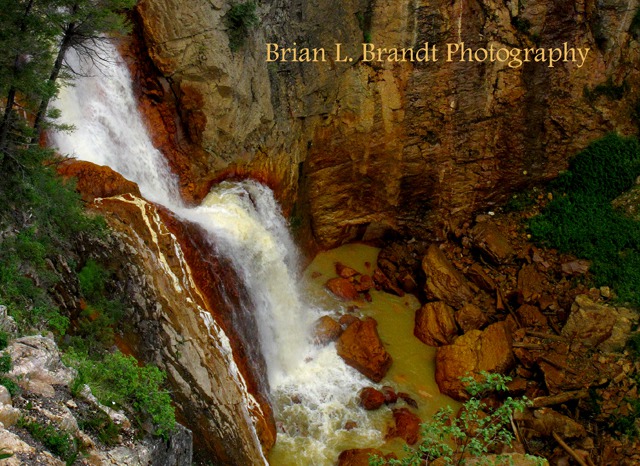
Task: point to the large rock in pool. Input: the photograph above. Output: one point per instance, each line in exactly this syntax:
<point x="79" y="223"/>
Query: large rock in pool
<point x="361" y="348"/>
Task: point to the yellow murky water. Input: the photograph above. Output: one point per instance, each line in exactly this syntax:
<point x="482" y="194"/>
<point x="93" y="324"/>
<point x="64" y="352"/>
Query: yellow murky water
<point x="412" y="370"/>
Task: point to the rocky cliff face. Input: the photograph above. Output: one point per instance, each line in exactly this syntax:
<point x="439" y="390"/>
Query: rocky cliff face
<point x="367" y="147"/>
<point x="183" y="316"/>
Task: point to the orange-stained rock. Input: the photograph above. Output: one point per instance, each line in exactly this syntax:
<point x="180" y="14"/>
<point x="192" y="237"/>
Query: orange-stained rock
<point x="365" y="283"/>
<point x="530" y="283"/>
<point x="435" y="324"/>
<point x="407" y="426"/>
<point x="361" y="348"/>
<point x="95" y="181"/>
<point x="371" y="399"/>
<point x="488" y="238"/>
<point x="382" y="282"/>
<point x="173" y="276"/>
<point x="342" y="288"/>
<point x="360" y="456"/>
<point x="347" y="319"/>
<point x="390" y="395"/>
<point x="489" y="350"/>
<point x="444" y="281"/>
<point x="470" y="317"/>
<point x="530" y="316"/>
<point x="326" y="330"/>
<point x="345" y="271"/>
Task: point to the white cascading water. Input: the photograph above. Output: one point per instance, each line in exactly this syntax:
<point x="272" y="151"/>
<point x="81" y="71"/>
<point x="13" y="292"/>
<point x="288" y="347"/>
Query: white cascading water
<point x="312" y="389"/>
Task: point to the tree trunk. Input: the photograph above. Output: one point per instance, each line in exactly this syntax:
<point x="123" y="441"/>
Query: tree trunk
<point x="11" y="96"/>
<point x="55" y="72"/>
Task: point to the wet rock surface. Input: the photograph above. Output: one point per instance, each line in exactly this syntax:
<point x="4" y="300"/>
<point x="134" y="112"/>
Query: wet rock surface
<point x="360" y="347"/>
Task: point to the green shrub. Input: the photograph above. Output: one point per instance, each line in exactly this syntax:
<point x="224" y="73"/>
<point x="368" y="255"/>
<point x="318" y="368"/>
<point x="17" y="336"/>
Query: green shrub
<point x="5" y="363"/>
<point x="10" y="385"/>
<point x="580" y="219"/>
<point x="92" y="280"/>
<point x="100" y="424"/>
<point x="4" y="339"/>
<point x="240" y="18"/>
<point x="478" y="430"/>
<point x="58" y="442"/>
<point x="118" y="381"/>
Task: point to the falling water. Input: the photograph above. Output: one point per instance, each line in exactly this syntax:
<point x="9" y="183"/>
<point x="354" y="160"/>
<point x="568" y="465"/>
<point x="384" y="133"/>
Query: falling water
<point x="311" y="387"/>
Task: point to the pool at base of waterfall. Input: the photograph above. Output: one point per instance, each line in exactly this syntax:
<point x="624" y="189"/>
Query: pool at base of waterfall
<point x="312" y="412"/>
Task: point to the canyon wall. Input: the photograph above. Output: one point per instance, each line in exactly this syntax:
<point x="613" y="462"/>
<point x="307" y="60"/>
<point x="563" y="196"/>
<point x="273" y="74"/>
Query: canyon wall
<point x="183" y="315"/>
<point x="366" y="147"/>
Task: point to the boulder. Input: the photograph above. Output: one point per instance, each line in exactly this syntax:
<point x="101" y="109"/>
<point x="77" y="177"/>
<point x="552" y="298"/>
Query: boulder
<point x="361" y="348"/>
<point x="444" y="281"/>
<point x="382" y="282"/>
<point x="470" y="317"/>
<point x="390" y="395"/>
<point x="546" y="421"/>
<point x="530" y="283"/>
<point x="489" y="350"/>
<point x="37" y="359"/>
<point x="365" y="283"/>
<point x="488" y="238"/>
<point x="9" y="415"/>
<point x="576" y="267"/>
<point x="5" y="396"/>
<point x="530" y="316"/>
<point x="344" y="271"/>
<point x="371" y="399"/>
<point x="400" y="261"/>
<point x="407" y="426"/>
<point x="589" y="323"/>
<point x="435" y="324"/>
<point x="326" y="330"/>
<point x="347" y="319"/>
<point x="342" y="288"/>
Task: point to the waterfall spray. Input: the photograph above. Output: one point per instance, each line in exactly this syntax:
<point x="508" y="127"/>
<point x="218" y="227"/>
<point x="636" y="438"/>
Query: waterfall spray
<point x="244" y="221"/>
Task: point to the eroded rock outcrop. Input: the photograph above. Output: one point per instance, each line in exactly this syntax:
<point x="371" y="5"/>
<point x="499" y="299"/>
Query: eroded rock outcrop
<point x="373" y="147"/>
<point x="45" y="401"/>
<point x="180" y="319"/>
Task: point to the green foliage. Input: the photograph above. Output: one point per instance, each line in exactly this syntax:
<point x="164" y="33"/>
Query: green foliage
<point x="635" y="23"/>
<point x="5" y="362"/>
<point x="91" y="279"/>
<point x="478" y="430"/>
<point x="520" y="201"/>
<point x="581" y="220"/>
<point x="364" y="22"/>
<point x="100" y="424"/>
<point x="4" y="339"/>
<point x="58" y="442"/>
<point x="607" y="89"/>
<point x="14" y="388"/>
<point x="239" y="20"/>
<point x="118" y="381"/>
<point x="42" y="218"/>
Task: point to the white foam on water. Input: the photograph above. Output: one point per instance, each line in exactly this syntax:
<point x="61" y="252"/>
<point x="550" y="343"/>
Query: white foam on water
<point x="312" y="389"/>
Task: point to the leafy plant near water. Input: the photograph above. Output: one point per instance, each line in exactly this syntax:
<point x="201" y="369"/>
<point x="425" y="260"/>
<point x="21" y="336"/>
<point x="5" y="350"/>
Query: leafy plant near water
<point x="582" y="221"/>
<point x="239" y="20"/>
<point x="477" y="431"/>
<point x="119" y="382"/>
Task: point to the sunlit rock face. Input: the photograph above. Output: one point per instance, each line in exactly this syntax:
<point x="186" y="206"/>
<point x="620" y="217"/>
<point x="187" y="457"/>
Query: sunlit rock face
<point x="180" y="298"/>
<point x="368" y="147"/>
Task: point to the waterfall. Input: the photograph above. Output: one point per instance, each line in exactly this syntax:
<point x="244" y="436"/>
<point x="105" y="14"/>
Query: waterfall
<point x="312" y="389"/>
